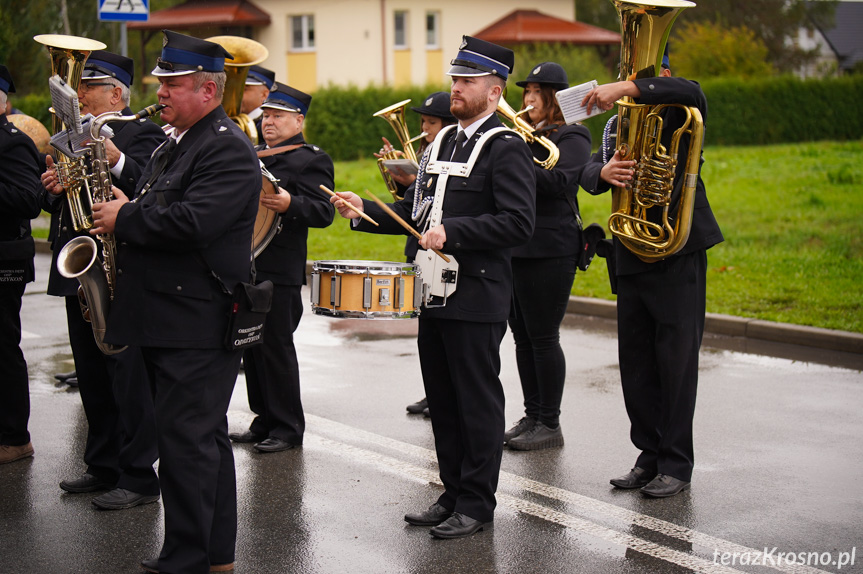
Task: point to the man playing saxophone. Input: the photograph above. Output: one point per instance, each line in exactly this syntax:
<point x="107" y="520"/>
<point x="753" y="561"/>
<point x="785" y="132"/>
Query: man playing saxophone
<point x="661" y="304"/>
<point x="121" y="440"/>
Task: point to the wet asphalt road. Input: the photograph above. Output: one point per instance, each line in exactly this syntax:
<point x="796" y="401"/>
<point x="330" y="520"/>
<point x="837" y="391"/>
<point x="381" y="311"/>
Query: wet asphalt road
<point x="779" y="463"/>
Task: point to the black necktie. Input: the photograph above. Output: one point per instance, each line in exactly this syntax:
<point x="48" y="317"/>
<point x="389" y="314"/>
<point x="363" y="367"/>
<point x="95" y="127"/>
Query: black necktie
<point x="160" y="161"/>
<point x="459" y="143"/>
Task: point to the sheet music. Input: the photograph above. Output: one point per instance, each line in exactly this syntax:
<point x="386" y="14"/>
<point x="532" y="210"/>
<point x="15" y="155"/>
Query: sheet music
<point x="570" y="102"/>
<point x="74" y="145"/>
<point x="64" y="100"/>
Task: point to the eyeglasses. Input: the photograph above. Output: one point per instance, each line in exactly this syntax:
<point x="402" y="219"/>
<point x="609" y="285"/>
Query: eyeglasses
<point x="89" y="85"/>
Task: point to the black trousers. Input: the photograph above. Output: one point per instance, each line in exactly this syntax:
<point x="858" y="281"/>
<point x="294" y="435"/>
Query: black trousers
<point x="460" y="363"/>
<point x="273" y="373"/>
<point x="541" y="289"/>
<point x="660" y="323"/>
<point x="118" y="404"/>
<point x="193" y="389"/>
<point x="14" y="386"/>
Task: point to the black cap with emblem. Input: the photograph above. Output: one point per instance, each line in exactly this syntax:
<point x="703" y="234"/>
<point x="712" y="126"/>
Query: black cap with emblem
<point x="260" y="76"/>
<point x="183" y="55"/>
<point x="437" y="105"/>
<point x="286" y="98"/>
<point x="6" y="84"/>
<point x="549" y="74"/>
<point x="480" y="58"/>
<point x="101" y="65"/>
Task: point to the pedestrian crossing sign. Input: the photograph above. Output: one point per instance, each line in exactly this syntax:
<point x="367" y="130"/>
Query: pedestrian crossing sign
<point x="124" y="10"/>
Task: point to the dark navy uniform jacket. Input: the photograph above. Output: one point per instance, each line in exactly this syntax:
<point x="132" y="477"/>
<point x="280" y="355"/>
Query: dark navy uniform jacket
<point x="136" y="140"/>
<point x="300" y="172"/>
<point x="484" y="216"/>
<point x="557" y="232"/>
<point x="705" y="230"/>
<point x="166" y="296"/>
<point x="19" y="198"/>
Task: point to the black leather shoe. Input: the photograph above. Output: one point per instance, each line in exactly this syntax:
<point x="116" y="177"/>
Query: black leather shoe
<point x="72" y="381"/>
<point x="86" y="483"/>
<point x="152" y="565"/>
<point x="426" y="413"/>
<point x="431" y="517"/>
<point x="418" y="407"/>
<point x="247" y="436"/>
<point x="537" y="438"/>
<point x="63" y="377"/>
<point x="120" y="498"/>
<point x="523" y="425"/>
<point x="458" y="526"/>
<point x="664" y="486"/>
<point x="635" y="478"/>
<point x="273" y="444"/>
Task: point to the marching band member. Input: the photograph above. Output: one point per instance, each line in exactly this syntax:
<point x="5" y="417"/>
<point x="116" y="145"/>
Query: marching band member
<point x="484" y="215"/>
<point x="259" y="82"/>
<point x="19" y="203"/>
<point x="660" y="305"/>
<point x="543" y="270"/>
<point x="121" y="437"/>
<point x="272" y="371"/>
<point x="191" y="221"/>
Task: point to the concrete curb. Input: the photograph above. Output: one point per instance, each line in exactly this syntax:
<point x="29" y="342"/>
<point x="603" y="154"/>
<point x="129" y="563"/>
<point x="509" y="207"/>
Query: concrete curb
<point x="730" y="326"/>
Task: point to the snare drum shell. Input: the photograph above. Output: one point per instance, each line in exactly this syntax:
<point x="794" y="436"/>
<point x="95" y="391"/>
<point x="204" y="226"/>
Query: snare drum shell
<point x="364" y="289"/>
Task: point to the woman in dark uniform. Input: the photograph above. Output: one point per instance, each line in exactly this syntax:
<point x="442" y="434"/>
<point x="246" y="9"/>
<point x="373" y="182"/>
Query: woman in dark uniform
<point x="544" y="268"/>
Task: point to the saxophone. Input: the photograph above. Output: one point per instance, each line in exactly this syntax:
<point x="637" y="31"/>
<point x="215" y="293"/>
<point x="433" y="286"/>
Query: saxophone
<point x="641" y="217"/>
<point x="79" y="259"/>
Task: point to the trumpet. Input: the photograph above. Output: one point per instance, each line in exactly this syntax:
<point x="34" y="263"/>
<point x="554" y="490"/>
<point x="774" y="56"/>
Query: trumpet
<point x="395" y="116"/>
<point x="525" y="130"/>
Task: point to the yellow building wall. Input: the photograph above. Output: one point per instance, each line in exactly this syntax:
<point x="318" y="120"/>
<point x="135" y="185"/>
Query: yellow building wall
<point x="302" y="71"/>
<point x="434" y="67"/>
<point x="402" y="60"/>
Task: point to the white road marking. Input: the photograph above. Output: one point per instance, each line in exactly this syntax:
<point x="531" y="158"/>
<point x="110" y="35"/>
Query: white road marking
<point x="576" y="503"/>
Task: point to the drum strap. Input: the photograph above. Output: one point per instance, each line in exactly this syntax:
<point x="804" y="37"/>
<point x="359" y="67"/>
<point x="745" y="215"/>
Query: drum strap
<point x="278" y="150"/>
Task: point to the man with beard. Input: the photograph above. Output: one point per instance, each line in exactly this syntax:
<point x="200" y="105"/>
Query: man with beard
<point x="272" y="371"/>
<point x="474" y="198"/>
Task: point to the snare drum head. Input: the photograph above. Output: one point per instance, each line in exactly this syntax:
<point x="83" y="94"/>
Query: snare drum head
<point x="266" y="223"/>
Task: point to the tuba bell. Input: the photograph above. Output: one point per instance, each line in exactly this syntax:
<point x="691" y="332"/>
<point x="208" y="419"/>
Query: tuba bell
<point x="68" y="56"/>
<point x="641" y="213"/>
<point x="395" y="116"/>
<point x="246" y="53"/>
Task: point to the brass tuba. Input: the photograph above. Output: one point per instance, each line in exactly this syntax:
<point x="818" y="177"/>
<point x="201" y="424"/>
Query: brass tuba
<point x="525" y="130"/>
<point x="395" y="116"/>
<point x="641" y="217"/>
<point x="246" y="53"/>
<point x="68" y="56"/>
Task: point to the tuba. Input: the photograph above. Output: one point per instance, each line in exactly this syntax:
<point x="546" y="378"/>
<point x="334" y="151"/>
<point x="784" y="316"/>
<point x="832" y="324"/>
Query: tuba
<point x="246" y="53"/>
<point x="641" y="218"/>
<point x="68" y="56"/>
<point x="525" y="130"/>
<point x="395" y="116"/>
<point x="79" y="259"/>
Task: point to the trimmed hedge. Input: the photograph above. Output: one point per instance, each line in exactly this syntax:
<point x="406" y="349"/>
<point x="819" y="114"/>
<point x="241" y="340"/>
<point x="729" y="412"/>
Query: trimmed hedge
<point x="741" y="112"/>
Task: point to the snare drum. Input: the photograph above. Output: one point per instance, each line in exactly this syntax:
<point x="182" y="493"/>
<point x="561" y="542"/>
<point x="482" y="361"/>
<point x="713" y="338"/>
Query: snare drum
<point x="366" y="289"/>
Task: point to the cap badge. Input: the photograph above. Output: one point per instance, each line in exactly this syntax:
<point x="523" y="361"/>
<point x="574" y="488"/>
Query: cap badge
<point x="463" y="44"/>
<point x="429" y="102"/>
<point x="536" y="70"/>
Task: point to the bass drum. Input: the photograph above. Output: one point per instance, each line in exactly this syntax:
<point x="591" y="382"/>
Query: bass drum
<point x="365" y="289"/>
<point x="267" y="222"/>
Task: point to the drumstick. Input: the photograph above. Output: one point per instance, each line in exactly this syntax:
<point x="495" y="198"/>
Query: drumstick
<point x="357" y="211"/>
<point x="402" y="222"/>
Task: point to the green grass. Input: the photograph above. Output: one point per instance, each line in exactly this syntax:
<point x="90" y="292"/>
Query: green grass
<point x="791" y="216"/>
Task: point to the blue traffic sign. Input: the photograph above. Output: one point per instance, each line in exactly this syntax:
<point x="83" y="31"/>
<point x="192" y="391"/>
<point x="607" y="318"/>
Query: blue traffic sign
<point x="124" y="10"/>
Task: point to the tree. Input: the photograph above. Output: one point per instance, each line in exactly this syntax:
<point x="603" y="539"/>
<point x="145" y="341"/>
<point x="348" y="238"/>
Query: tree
<point x="712" y="51"/>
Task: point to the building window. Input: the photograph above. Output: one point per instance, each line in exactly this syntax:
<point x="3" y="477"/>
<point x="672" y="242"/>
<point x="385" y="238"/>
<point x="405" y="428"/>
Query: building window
<point x="400" y="25"/>
<point x="432" y="30"/>
<point x="303" y="32"/>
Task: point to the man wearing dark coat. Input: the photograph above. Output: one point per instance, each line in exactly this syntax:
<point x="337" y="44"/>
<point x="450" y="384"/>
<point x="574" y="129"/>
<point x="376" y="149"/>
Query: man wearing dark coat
<point x="19" y="203"/>
<point x="272" y="371"/>
<point x="184" y="246"/>
<point x="486" y="173"/>
<point x="121" y="437"/>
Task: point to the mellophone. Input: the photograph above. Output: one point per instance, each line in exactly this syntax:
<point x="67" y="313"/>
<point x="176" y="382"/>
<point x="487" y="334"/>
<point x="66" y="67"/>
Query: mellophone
<point x="366" y="289"/>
